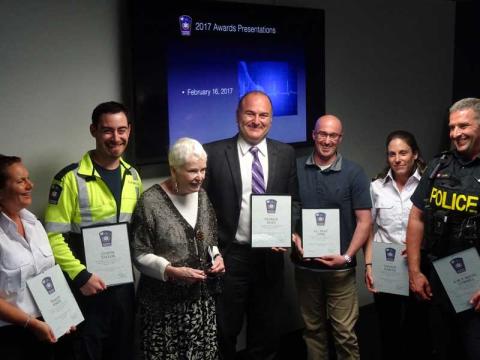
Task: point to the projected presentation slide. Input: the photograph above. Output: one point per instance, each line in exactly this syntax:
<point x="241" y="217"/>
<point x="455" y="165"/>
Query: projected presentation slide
<point x="211" y="66"/>
<point x="194" y="60"/>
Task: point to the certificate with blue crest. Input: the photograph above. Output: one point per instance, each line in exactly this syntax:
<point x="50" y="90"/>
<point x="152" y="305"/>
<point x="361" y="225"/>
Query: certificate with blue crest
<point x="390" y="269"/>
<point x="271" y="220"/>
<point x="55" y="300"/>
<point x="107" y="253"/>
<point x="320" y="232"/>
<point x="460" y="276"/>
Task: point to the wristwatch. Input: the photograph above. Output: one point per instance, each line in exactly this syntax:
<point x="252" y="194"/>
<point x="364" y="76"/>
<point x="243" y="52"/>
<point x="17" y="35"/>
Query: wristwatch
<point x="348" y="259"/>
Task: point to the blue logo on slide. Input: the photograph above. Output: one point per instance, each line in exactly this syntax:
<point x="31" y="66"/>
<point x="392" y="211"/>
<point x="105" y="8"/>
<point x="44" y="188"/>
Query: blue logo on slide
<point x="185" y="25"/>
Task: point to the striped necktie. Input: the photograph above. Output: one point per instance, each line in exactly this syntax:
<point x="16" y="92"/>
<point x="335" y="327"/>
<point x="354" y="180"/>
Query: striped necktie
<point x="258" y="182"/>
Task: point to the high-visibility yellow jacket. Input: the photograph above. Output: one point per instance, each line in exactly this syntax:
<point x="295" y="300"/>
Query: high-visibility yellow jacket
<point x="78" y="198"/>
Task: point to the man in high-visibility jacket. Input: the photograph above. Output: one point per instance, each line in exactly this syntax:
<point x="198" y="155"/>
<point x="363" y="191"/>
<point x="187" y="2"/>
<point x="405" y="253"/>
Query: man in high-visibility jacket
<point x="100" y="189"/>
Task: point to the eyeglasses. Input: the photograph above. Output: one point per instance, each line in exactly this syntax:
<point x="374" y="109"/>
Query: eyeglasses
<point x="322" y="135"/>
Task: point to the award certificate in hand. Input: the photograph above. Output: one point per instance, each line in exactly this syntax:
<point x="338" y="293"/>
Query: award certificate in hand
<point x="107" y="253"/>
<point x="460" y="276"/>
<point x="390" y="270"/>
<point x="320" y="232"/>
<point x="55" y="300"/>
<point x="271" y="220"/>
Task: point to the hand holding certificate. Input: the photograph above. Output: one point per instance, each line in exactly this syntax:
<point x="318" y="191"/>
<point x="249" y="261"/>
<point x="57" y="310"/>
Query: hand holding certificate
<point x="55" y="301"/>
<point x="107" y="253"/>
<point x="460" y="276"/>
<point x="390" y="271"/>
<point x="271" y="220"/>
<point x="321" y="232"/>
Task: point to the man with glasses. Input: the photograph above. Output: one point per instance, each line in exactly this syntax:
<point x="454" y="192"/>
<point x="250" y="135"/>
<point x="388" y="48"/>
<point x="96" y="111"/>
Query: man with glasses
<point x="326" y="285"/>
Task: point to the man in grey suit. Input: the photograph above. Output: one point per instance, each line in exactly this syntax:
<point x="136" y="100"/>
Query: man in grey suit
<point x="253" y="282"/>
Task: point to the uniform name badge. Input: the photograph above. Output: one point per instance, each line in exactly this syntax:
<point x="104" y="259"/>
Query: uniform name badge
<point x="107" y="253"/>
<point x="320" y="232"/>
<point x="271" y="220"/>
<point x="460" y="276"/>
<point x="55" y="300"/>
<point x="390" y="270"/>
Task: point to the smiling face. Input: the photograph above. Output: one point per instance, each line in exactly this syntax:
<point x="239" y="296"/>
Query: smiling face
<point x="189" y="177"/>
<point x="327" y="136"/>
<point x="111" y="136"/>
<point x="17" y="192"/>
<point x="254" y="117"/>
<point x="401" y="158"/>
<point x="465" y="132"/>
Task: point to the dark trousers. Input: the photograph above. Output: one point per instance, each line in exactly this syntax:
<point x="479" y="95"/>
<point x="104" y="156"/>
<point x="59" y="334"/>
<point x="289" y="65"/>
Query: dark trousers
<point x="250" y="289"/>
<point x="404" y="326"/>
<point x="17" y="343"/>
<point x="456" y="336"/>
<point x="107" y="332"/>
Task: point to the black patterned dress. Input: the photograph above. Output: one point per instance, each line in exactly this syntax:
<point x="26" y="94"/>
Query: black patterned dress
<point x="177" y="318"/>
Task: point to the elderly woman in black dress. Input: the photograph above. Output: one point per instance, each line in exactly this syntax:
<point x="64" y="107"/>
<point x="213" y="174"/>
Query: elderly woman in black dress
<point x="174" y="244"/>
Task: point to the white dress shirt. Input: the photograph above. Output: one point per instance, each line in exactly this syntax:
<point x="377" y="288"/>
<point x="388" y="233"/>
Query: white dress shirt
<point x="21" y="259"/>
<point x="391" y="208"/>
<point x="246" y="159"/>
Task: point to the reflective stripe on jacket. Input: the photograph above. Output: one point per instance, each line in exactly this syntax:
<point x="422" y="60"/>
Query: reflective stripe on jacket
<point x="78" y="198"/>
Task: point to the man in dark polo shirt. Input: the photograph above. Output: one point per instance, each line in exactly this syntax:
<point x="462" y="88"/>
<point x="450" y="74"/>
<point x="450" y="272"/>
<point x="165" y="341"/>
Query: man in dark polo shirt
<point x="327" y="284"/>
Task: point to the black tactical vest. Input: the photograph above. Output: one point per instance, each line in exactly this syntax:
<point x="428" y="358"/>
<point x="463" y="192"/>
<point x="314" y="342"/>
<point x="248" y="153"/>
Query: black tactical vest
<point x="452" y="206"/>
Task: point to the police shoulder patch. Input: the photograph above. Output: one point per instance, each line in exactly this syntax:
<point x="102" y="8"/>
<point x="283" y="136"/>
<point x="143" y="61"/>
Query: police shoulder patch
<point x="55" y="192"/>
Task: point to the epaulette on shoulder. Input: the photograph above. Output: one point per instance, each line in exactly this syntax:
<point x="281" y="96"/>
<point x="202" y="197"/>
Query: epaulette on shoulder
<point x="444" y="154"/>
<point x="65" y="170"/>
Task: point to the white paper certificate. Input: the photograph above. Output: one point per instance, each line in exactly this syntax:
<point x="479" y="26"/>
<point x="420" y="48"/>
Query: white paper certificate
<point x="271" y="220"/>
<point x="107" y="253"/>
<point x="390" y="269"/>
<point x="55" y="300"/>
<point x="320" y="232"/>
<point x="460" y="276"/>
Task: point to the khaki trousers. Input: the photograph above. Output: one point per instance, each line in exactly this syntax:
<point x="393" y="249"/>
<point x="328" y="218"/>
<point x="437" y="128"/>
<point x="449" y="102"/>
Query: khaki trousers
<point x="328" y="295"/>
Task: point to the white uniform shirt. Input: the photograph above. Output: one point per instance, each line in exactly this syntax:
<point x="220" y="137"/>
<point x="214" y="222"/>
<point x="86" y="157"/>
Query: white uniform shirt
<point x="246" y="159"/>
<point x="21" y="259"/>
<point x="391" y="208"/>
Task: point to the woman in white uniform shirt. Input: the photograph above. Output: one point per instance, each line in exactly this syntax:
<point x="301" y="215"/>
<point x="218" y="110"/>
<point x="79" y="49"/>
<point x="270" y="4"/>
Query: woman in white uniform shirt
<point x="403" y="320"/>
<point x="24" y="253"/>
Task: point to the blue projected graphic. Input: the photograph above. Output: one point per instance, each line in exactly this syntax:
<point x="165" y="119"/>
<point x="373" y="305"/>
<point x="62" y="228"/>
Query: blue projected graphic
<point x="206" y="77"/>
<point x="276" y="78"/>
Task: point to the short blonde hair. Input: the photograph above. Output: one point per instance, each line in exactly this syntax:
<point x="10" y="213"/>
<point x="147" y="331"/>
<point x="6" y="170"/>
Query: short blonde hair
<point x="183" y="149"/>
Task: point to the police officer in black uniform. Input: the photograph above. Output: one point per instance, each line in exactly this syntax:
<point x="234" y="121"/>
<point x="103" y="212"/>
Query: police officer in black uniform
<point x="445" y="219"/>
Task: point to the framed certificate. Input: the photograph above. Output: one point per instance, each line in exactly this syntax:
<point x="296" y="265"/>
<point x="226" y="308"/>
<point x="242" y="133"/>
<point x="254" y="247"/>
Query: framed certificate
<point x="55" y="300"/>
<point x="271" y="220"/>
<point x="320" y="232"/>
<point x="460" y="276"/>
<point x="107" y="253"/>
<point x="390" y="269"/>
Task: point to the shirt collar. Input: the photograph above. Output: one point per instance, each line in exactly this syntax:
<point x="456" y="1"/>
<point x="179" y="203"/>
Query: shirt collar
<point x="7" y="223"/>
<point x="245" y="146"/>
<point x="389" y="177"/>
<point x="335" y="166"/>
